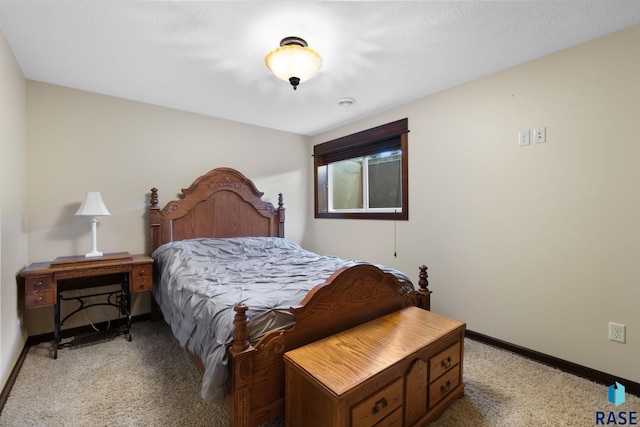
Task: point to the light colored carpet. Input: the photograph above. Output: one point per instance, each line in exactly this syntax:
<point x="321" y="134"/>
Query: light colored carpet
<point x="151" y="381"/>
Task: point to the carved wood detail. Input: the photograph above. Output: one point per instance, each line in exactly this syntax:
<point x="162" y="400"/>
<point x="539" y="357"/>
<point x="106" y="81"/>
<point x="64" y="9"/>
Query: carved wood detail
<point x="274" y="345"/>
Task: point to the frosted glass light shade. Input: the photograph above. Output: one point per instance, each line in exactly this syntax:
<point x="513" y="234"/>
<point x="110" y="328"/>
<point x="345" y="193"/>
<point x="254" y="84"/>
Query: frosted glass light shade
<point x="92" y="205"/>
<point x="293" y="61"/>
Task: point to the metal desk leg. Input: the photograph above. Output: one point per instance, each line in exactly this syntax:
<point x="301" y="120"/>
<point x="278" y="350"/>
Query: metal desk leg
<point x="56" y="325"/>
<point x="126" y="290"/>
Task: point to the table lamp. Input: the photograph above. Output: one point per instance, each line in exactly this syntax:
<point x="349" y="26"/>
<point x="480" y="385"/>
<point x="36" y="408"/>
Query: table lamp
<point x="93" y="206"/>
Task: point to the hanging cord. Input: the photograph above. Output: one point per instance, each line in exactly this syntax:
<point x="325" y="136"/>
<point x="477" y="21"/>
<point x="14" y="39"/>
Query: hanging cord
<point x="83" y="293"/>
<point x="395" y="238"/>
<point x="104" y="312"/>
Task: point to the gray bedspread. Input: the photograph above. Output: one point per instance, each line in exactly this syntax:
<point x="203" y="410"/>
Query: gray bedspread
<point x="200" y="281"/>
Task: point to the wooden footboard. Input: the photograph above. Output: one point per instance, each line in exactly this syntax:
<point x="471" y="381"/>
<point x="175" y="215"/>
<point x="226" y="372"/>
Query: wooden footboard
<point x="351" y="296"/>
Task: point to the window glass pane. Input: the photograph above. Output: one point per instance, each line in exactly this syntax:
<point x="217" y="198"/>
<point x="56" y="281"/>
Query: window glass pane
<point x="385" y="180"/>
<point x="346" y="184"/>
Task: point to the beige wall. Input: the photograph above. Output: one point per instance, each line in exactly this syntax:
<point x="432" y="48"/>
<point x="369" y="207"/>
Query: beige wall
<point x="539" y="245"/>
<point x="13" y="141"/>
<point x="80" y="141"/>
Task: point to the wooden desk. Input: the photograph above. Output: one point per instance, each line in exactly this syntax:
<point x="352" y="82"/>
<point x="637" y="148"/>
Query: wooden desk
<point x="45" y="282"/>
<point x="402" y="369"/>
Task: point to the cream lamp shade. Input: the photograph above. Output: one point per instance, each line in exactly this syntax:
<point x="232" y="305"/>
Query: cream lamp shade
<point x="93" y="206"/>
<point x="293" y="61"/>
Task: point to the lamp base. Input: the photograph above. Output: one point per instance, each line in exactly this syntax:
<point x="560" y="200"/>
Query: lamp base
<point x="93" y="254"/>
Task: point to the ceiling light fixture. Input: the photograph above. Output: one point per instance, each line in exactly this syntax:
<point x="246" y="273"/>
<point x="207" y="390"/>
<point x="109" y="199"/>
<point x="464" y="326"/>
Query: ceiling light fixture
<point x="293" y="61"/>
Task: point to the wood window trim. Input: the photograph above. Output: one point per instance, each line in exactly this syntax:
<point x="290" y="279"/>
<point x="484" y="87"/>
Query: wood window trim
<point x="390" y="135"/>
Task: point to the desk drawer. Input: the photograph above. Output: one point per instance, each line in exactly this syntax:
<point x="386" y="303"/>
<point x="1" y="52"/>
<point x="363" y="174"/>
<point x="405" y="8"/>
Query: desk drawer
<point x="373" y="409"/>
<point x="38" y="284"/>
<point x="38" y="291"/>
<point x="38" y="299"/>
<point x="444" y="385"/>
<point x="141" y="278"/>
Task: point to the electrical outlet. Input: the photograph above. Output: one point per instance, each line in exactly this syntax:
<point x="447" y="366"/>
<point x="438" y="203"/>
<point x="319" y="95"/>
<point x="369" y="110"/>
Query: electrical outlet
<point x="617" y="332"/>
<point x="540" y="135"/>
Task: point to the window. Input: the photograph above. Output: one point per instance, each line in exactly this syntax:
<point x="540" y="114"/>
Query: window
<point x="364" y="175"/>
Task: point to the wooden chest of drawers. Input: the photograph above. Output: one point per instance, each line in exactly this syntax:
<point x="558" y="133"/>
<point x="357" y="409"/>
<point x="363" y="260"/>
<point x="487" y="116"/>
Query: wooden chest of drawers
<point x="403" y="369"/>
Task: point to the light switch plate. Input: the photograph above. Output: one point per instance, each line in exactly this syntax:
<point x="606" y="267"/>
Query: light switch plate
<point x="523" y="138"/>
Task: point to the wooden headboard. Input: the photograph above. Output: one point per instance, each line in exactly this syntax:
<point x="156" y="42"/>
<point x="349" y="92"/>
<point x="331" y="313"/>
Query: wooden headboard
<point x="221" y="203"/>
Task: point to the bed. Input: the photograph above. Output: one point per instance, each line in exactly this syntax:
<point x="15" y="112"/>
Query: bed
<point x="222" y="216"/>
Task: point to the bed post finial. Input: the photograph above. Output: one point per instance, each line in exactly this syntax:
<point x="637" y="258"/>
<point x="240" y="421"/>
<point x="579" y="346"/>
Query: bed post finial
<point x="154" y="197"/>
<point x="423" y="282"/>
<point x="424" y="294"/>
<point x="280" y="215"/>
<point x="241" y="330"/>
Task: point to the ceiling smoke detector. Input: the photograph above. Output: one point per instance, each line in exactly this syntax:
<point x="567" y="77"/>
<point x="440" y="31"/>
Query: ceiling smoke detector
<point x="346" y="102"/>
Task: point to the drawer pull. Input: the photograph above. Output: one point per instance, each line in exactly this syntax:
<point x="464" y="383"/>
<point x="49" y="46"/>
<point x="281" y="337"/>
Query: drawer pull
<point x="445" y="388"/>
<point x="446" y="363"/>
<point x="382" y="403"/>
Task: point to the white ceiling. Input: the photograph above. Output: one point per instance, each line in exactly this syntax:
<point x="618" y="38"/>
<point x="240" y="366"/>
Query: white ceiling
<point x="208" y="56"/>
